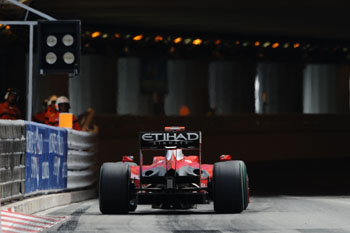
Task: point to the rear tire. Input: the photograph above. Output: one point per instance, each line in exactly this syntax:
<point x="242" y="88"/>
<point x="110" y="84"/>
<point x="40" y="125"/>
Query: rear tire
<point x="230" y="187"/>
<point x="114" y="188"/>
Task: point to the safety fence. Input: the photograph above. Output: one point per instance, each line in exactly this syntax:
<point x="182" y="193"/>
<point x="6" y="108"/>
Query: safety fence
<point x="40" y="159"/>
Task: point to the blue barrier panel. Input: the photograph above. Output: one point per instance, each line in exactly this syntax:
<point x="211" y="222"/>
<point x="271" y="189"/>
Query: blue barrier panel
<point x="46" y="158"/>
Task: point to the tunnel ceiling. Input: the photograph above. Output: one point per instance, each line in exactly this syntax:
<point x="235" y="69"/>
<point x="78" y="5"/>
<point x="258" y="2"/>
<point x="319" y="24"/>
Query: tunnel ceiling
<point x="298" y="18"/>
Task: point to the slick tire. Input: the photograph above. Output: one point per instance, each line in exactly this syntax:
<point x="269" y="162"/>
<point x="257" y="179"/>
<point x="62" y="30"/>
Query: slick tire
<point x="114" y="188"/>
<point x="230" y="187"/>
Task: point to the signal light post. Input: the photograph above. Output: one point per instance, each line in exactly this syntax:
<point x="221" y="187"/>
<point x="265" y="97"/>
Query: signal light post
<point x="65" y="59"/>
<point x="59" y="45"/>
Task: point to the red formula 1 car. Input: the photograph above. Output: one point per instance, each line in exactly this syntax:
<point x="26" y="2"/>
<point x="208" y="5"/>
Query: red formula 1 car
<point x="173" y="181"/>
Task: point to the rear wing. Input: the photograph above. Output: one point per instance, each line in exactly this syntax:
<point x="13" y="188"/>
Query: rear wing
<point x="170" y="140"/>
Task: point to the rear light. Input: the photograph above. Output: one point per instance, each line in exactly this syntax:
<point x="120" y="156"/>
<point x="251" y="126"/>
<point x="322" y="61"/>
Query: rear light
<point x="174" y="128"/>
<point x="169" y="182"/>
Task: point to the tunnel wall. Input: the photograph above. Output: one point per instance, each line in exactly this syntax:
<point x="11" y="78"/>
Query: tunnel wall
<point x="231" y="87"/>
<point x="251" y="137"/>
<point x="95" y="85"/>
<point x="130" y="99"/>
<point x="326" y="88"/>
<point x="281" y="83"/>
<point x="187" y="86"/>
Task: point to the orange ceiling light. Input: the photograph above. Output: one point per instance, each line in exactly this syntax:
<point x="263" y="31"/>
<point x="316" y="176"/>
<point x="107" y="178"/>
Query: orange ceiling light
<point x="117" y="35"/>
<point x="8" y="27"/>
<point x="177" y="40"/>
<point x="218" y="42"/>
<point x="158" y="38"/>
<point x="95" y="34"/>
<point x="296" y="45"/>
<point x="257" y="43"/>
<point x="197" y="42"/>
<point x="138" y="37"/>
<point x="237" y="42"/>
<point x="275" y="45"/>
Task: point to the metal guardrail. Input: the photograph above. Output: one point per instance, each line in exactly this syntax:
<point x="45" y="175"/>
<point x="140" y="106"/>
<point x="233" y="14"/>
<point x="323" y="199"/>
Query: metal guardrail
<point x="12" y="159"/>
<point x="81" y="159"/>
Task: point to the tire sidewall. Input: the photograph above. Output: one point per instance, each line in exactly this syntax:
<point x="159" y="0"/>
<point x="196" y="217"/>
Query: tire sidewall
<point x="230" y="187"/>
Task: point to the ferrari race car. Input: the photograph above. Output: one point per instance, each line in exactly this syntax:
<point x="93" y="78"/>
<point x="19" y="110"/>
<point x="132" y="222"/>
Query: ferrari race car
<point x="173" y="180"/>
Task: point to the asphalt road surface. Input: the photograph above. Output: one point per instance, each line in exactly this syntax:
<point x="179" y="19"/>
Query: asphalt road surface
<point x="285" y="214"/>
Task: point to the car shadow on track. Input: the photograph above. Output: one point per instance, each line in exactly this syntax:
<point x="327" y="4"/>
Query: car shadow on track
<point x="157" y="212"/>
<point x="161" y="212"/>
<point x="172" y="212"/>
